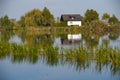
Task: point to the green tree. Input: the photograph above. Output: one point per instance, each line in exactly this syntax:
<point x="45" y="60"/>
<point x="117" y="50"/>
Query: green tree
<point x="33" y="18"/>
<point x="105" y="17"/>
<point x="113" y="19"/>
<point x="5" y="22"/>
<point x="1" y="21"/>
<point x="36" y="17"/>
<point x="48" y="19"/>
<point x="91" y="15"/>
<point x="22" y="21"/>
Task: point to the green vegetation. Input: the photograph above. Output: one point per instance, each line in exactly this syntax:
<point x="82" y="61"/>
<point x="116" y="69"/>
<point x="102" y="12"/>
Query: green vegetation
<point x="35" y="21"/>
<point x="6" y="23"/>
<point x="61" y="24"/>
<point x="40" y="47"/>
<point x="48" y="18"/>
<point x="91" y="15"/>
<point x="81" y="55"/>
<point x="36" y="18"/>
<point x="113" y="19"/>
<point x="105" y="17"/>
<point x="41" y="18"/>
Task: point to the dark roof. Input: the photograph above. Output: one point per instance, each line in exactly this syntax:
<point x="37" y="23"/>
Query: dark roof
<point x="70" y="17"/>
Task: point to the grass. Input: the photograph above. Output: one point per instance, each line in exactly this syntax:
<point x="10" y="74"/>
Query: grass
<point x="101" y="55"/>
<point x="80" y="58"/>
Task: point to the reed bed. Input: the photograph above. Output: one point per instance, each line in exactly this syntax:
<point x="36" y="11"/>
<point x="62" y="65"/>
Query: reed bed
<point x="101" y="55"/>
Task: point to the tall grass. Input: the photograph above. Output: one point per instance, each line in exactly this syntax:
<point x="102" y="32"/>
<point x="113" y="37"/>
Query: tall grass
<point x="4" y="50"/>
<point x="108" y="55"/>
<point x="52" y="55"/>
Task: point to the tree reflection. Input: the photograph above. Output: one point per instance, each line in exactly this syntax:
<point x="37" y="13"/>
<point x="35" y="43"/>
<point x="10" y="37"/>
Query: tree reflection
<point x="5" y="36"/>
<point x="114" y="36"/>
<point x="39" y="40"/>
<point x="40" y="47"/>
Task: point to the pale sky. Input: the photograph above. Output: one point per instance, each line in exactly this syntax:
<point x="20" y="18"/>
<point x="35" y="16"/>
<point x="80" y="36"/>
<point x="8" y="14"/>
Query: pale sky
<point x="17" y="8"/>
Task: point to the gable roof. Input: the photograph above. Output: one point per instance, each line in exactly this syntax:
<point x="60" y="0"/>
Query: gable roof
<point x="70" y="17"/>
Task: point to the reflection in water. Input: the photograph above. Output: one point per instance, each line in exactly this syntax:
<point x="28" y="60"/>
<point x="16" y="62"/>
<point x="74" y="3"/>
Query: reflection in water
<point x="52" y="60"/>
<point x="79" y="58"/>
<point x="15" y="39"/>
<point x="45" y="47"/>
<point x="74" y="36"/>
<point x="23" y="57"/>
<point x="69" y="42"/>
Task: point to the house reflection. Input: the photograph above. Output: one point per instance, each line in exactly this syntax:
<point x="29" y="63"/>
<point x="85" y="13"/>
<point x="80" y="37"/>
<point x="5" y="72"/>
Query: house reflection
<point x="71" y="39"/>
<point x="70" y="42"/>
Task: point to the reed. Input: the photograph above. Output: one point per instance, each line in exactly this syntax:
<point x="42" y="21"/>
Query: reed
<point x="51" y="54"/>
<point x="4" y="50"/>
<point x="108" y="55"/>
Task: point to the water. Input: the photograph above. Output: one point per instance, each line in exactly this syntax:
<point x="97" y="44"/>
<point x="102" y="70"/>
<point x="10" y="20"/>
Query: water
<point x="41" y="68"/>
<point x="43" y="71"/>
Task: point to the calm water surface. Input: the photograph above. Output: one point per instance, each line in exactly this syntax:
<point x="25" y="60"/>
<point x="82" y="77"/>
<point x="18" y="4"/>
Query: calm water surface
<point x="43" y="69"/>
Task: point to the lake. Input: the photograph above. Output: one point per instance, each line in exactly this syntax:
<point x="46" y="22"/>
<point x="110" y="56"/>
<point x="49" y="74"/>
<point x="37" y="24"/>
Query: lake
<point x="18" y="61"/>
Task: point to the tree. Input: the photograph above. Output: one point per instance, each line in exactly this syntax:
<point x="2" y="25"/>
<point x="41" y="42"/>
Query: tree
<point x="113" y="19"/>
<point x="33" y="18"/>
<point x="36" y="17"/>
<point x="5" y="22"/>
<point x="105" y="17"/>
<point x="1" y="21"/>
<point x="22" y="21"/>
<point x="91" y="15"/>
<point x="48" y="18"/>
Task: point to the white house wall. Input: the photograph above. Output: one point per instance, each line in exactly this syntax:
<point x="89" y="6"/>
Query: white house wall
<point x="70" y="23"/>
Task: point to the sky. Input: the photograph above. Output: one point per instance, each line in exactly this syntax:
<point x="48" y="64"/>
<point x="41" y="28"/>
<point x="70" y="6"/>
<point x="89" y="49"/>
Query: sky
<point x="17" y="8"/>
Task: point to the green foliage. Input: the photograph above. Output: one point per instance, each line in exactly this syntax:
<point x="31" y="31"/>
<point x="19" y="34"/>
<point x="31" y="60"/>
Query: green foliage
<point x="48" y="19"/>
<point x="108" y="55"/>
<point x="113" y="19"/>
<point x="4" y="50"/>
<point x="83" y="20"/>
<point x="61" y="24"/>
<point x="51" y="55"/>
<point x="91" y="15"/>
<point x="33" y="18"/>
<point x="105" y="17"/>
<point x="114" y="32"/>
<point x="6" y="23"/>
<point x="36" y="17"/>
<point x="95" y="28"/>
<point x="22" y="21"/>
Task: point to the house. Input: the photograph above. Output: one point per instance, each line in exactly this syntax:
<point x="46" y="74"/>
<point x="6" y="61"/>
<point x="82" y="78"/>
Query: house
<point x="71" y="19"/>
